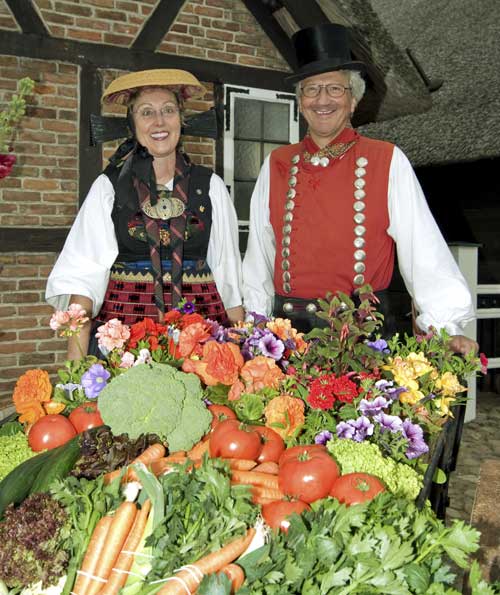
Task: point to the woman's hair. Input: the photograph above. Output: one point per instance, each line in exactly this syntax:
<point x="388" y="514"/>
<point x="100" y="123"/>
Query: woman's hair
<point x="356" y="82"/>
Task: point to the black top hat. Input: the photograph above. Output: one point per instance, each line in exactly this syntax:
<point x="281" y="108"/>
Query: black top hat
<point x="322" y="48"/>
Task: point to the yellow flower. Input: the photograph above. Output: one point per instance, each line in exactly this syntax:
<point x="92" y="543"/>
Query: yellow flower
<point x="448" y="385"/>
<point x="402" y="371"/>
<point x="419" y="363"/>
<point x="411" y="397"/>
<point x="444" y="405"/>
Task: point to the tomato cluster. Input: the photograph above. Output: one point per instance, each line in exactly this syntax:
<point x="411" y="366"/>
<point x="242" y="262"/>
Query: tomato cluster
<point x="53" y="430"/>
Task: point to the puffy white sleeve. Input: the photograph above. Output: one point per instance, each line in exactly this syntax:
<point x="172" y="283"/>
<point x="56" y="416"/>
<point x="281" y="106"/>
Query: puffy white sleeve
<point x="223" y="254"/>
<point x="89" y="251"/>
<point x="258" y="264"/>
<point x="430" y="273"/>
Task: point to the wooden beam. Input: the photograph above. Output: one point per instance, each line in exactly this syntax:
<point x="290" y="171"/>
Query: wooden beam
<point x="90" y="157"/>
<point x="108" y="56"/>
<point x="27" y="17"/>
<point x="157" y="24"/>
<point x="305" y="14"/>
<point x="28" y="239"/>
<point x="272" y="29"/>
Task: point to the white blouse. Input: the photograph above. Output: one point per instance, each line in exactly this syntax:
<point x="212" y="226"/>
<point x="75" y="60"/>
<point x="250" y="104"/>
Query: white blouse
<point x="429" y="271"/>
<point x="83" y="267"/>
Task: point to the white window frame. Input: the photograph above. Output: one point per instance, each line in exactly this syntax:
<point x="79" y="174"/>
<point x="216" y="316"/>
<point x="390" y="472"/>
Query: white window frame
<point x="231" y="92"/>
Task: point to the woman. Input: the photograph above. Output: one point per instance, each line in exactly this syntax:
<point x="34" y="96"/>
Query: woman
<point x="154" y="229"/>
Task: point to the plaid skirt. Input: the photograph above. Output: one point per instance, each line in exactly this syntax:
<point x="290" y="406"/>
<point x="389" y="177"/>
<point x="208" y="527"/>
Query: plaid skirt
<point x="130" y="293"/>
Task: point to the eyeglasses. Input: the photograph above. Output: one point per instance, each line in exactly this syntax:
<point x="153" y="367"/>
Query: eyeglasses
<point x="149" y="114"/>
<point x="333" y="90"/>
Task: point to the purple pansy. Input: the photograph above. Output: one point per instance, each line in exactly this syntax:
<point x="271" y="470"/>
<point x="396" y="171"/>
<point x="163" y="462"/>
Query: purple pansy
<point x="378" y="345"/>
<point x="270" y="346"/>
<point x="415" y="436"/>
<point x="391" y="423"/>
<point x="371" y="408"/>
<point x="387" y="387"/>
<point x="323" y="437"/>
<point x="94" y="380"/>
<point x="345" y="430"/>
<point x="363" y="428"/>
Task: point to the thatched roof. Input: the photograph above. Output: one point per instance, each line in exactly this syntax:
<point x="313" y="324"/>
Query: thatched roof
<point x="458" y="41"/>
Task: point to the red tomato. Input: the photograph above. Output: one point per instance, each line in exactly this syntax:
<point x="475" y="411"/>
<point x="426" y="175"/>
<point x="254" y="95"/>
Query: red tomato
<point x="86" y="416"/>
<point x="308" y="476"/>
<point x="50" y="431"/>
<point x="272" y="444"/>
<point x="220" y="413"/>
<point x="233" y="440"/>
<point x="276" y="513"/>
<point x="354" y="488"/>
<point x="294" y="451"/>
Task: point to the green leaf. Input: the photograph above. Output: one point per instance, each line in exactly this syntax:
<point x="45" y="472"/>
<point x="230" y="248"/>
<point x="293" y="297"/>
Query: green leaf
<point x="335" y="578"/>
<point x="460" y="542"/>
<point x="215" y="584"/>
<point x="249" y="407"/>
<point x="418" y="577"/>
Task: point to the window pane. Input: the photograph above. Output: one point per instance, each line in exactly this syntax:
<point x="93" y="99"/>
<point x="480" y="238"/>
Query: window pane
<point x="268" y="147"/>
<point x="246" y="160"/>
<point x="242" y="195"/>
<point x="276" y="121"/>
<point x="247" y="118"/>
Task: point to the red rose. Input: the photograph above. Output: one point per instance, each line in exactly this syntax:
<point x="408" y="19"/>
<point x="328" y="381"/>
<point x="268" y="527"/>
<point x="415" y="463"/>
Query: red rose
<point x="6" y="164"/>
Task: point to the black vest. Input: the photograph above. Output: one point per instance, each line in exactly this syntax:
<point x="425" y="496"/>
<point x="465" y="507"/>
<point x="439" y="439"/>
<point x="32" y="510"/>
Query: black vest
<point x="198" y="223"/>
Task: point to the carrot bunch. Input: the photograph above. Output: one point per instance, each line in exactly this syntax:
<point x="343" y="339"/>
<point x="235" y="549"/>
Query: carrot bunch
<point x="190" y="576"/>
<point x="147" y="457"/>
<point x="111" y="550"/>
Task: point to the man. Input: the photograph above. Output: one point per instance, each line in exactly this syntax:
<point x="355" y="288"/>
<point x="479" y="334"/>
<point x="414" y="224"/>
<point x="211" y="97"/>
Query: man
<point x="328" y="213"/>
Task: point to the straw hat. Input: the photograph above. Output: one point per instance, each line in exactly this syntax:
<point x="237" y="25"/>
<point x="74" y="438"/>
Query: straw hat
<point x="120" y="89"/>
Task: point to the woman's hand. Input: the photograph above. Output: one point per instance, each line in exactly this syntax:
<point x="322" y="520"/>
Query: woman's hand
<point x="463" y="345"/>
<point x="236" y="314"/>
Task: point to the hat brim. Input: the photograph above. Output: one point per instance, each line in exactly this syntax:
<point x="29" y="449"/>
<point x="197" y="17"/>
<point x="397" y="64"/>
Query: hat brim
<point x="180" y="81"/>
<point x="321" y="67"/>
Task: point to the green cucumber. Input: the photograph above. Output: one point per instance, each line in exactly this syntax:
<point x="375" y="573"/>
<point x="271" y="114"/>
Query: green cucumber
<point x="17" y="484"/>
<point x="57" y="466"/>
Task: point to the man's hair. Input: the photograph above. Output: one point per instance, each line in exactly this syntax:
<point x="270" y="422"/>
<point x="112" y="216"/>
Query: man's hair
<point x="356" y="82"/>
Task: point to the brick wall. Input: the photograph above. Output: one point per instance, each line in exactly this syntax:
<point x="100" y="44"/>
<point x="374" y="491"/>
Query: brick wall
<point x="223" y="31"/>
<point x="42" y="191"/>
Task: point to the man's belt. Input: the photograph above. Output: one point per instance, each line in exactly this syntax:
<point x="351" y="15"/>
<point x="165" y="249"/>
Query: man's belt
<point x="288" y="305"/>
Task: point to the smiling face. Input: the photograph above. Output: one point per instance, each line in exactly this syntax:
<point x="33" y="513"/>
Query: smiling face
<point x="327" y="116"/>
<point x="157" y="127"/>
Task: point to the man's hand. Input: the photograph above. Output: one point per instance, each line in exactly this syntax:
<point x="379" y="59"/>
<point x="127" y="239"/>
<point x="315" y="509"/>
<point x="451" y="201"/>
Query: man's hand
<point x="463" y="345"/>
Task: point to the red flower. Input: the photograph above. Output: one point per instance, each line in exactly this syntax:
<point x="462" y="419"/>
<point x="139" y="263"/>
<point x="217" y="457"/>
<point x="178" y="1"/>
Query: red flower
<point x="344" y="389"/>
<point x="146" y="330"/>
<point x="188" y="319"/>
<point x="172" y="316"/>
<point x="484" y="363"/>
<point x="6" y="164"/>
<point x="321" y="394"/>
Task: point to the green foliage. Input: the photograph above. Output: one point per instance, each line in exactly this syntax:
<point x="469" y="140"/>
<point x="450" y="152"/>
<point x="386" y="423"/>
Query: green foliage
<point x="156" y="399"/>
<point x="14" y="111"/>
<point x="386" y="546"/>
<point x="339" y="347"/>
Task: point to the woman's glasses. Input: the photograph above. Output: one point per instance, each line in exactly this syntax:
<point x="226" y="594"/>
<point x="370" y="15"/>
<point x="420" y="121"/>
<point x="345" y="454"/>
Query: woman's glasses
<point x="149" y="114"/>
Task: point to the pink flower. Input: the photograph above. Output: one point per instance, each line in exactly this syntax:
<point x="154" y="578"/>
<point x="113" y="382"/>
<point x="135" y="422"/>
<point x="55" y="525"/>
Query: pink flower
<point x="113" y="334"/>
<point x="70" y="322"/>
<point x="6" y="164"/>
<point x="59" y="318"/>
<point x="127" y="360"/>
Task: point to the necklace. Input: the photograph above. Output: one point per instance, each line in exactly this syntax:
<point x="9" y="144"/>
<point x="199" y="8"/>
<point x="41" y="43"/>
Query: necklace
<point x="166" y="207"/>
<point x="330" y="152"/>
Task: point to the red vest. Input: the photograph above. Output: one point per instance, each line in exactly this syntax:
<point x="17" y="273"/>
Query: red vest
<point x="321" y="251"/>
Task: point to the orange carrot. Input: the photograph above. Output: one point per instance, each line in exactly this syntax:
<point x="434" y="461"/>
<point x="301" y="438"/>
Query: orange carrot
<point x="241" y="464"/>
<point x="236" y="575"/>
<point x="160" y="466"/>
<point x="198" y="450"/>
<point x="268" y="467"/>
<point x="261" y="500"/>
<point x="152" y="453"/>
<point x="121" y="524"/>
<point x="255" y="478"/>
<point x="118" y="576"/>
<point x="265" y="492"/>
<point x="112" y="475"/>
<point x="92" y="555"/>
<point x="190" y="578"/>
